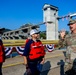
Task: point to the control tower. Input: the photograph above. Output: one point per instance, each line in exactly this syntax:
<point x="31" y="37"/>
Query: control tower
<point x="50" y="14"/>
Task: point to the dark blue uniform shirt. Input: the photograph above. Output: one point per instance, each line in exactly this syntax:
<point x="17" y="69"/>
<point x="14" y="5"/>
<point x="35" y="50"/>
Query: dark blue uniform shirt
<point x="27" y="47"/>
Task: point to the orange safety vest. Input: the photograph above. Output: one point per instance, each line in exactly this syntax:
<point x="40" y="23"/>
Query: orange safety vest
<point x="36" y="50"/>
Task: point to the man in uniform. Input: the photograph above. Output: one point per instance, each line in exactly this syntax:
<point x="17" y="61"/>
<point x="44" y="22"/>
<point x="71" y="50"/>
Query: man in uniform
<point x="70" y="42"/>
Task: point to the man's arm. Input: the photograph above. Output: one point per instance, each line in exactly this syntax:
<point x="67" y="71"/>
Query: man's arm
<point x="62" y="40"/>
<point x="25" y="60"/>
<point x="43" y="60"/>
<point x="26" y="52"/>
<point x="63" y="43"/>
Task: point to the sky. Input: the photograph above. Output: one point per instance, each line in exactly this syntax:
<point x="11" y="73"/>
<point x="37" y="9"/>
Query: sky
<point x="15" y="13"/>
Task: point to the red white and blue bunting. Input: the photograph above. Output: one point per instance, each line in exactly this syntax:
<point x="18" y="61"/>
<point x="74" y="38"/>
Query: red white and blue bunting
<point x="50" y="48"/>
<point x="8" y="50"/>
<point x="20" y="49"/>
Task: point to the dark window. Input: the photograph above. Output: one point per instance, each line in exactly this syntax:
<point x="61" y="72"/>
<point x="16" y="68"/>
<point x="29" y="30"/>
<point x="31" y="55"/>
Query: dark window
<point x="25" y="30"/>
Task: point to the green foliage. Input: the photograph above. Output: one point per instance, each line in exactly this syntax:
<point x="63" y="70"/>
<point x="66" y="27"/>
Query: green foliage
<point x="43" y="35"/>
<point x="67" y="32"/>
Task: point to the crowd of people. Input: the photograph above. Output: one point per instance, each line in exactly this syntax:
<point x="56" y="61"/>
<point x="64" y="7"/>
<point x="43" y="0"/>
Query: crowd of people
<point x="34" y="51"/>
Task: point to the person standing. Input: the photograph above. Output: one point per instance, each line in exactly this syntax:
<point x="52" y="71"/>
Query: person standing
<point x="33" y="54"/>
<point x="70" y="42"/>
<point x="2" y="55"/>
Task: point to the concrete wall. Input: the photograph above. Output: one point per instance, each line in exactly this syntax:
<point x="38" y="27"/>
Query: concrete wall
<point x="22" y="33"/>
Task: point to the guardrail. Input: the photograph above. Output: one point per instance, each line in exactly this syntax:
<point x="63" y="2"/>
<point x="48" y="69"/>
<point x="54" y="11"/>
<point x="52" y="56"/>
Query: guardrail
<point x="23" y="42"/>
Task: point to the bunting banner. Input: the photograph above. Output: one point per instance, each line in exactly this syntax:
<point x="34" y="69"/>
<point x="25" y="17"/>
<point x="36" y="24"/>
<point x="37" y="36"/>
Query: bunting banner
<point x="50" y="48"/>
<point x="66" y="17"/>
<point x="8" y="50"/>
<point x="62" y="18"/>
<point x="20" y="49"/>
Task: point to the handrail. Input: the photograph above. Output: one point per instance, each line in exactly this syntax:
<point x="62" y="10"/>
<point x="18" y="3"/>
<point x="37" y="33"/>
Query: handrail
<point x="22" y="42"/>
